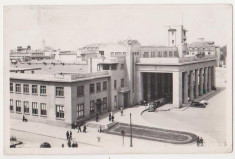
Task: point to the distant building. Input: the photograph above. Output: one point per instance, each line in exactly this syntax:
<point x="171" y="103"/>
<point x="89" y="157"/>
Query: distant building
<point x="110" y="76"/>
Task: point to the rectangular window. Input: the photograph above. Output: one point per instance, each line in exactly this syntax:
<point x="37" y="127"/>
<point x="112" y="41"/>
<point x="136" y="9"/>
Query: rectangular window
<point x="92" y="107"/>
<point x="105" y="103"/>
<point x="159" y="54"/>
<point x="80" y="91"/>
<point x="43" y="109"/>
<point x="18" y="88"/>
<point x="43" y="90"/>
<point x="115" y="101"/>
<point x="165" y="54"/>
<point x="59" y="91"/>
<point x="34" y="108"/>
<point x="26" y="107"/>
<point x="173" y="41"/>
<point x="122" y="66"/>
<point x="146" y="54"/>
<point x="152" y="54"/>
<point x="11" y="87"/>
<point x="170" y="53"/>
<point x="105" y="67"/>
<point x="26" y="88"/>
<point x="98" y="87"/>
<point x="122" y="83"/>
<point x="113" y="67"/>
<point x="18" y="106"/>
<point x="34" y="89"/>
<point x="11" y="105"/>
<point x="115" y="84"/>
<point x="59" y="111"/>
<point x="80" y="110"/>
<point x="104" y="85"/>
<point x="175" y="53"/>
<point x="92" y="88"/>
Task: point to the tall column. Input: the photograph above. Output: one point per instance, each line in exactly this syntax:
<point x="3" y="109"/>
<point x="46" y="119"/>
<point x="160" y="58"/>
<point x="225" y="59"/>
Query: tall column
<point x="209" y="79"/>
<point x="148" y="87"/>
<point x="156" y="85"/>
<point x="196" y="83"/>
<point x="201" y="81"/>
<point x="213" y="85"/>
<point x="191" y="95"/>
<point x="185" y="87"/>
<point x="205" y="79"/>
<point x="177" y="89"/>
<point x="139" y="88"/>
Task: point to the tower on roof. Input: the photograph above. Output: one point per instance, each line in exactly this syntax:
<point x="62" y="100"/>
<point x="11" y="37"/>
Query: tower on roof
<point x="177" y="35"/>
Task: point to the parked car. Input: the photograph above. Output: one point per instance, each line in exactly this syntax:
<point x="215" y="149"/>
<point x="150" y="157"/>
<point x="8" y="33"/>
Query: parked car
<point x="45" y="145"/>
<point x="198" y="104"/>
<point x="204" y="101"/>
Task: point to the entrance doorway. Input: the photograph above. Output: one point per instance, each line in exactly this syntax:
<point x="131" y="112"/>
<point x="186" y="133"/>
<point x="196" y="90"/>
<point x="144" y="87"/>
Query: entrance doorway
<point x="125" y="99"/>
<point x="98" y="105"/>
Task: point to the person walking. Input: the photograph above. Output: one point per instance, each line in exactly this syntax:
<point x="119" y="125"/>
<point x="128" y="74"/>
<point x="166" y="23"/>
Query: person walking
<point x="96" y="117"/>
<point x="69" y="143"/>
<point x="79" y="128"/>
<point x="121" y="111"/>
<point x="70" y="135"/>
<point x="67" y="135"/>
<point x="110" y="116"/>
<point x="84" y="129"/>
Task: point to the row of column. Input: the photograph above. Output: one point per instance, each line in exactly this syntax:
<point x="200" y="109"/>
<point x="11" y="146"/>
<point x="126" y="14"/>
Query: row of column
<point x="198" y="82"/>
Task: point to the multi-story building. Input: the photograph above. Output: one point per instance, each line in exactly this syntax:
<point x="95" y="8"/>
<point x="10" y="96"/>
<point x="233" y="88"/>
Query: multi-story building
<point x="110" y="76"/>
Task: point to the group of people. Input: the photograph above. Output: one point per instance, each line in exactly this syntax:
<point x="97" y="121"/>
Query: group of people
<point x="75" y="126"/>
<point x="199" y="141"/>
<point x="111" y="117"/>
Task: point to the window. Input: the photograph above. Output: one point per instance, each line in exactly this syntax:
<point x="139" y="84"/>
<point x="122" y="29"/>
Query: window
<point x="122" y="66"/>
<point x="34" y="108"/>
<point x="34" y="89"/>
<point x="59" y="111"/>
<point x="170" y="53"/>
<point x="43" y="109"/>
<point x="80" y="91"/>
<point x="11" y="105"/>
<point x="175" y="53"/>
<point x="115" y="101"/>
<point x="92" y="107"/>
<point x="80" y="110"/>
<point x="92" y="88"/>
<point x="105" y="67"/>
<point x="18" y="106"/>
<point x="18" y="88"/>
<point x="152" y="54"/>
<point x="26" y="107"/>
<point x="98" y="67"/>
<point x="172" y="41"/>
<point x="11" y="87"/>
<point x="59" y="91"/>
<point x="122" y="82"/>
<point x="172" y="33"/>
<point x="115" y="84"/>
<point x="104" y="85"/>
<point x="146" y="54"/>
<point x="159" y="54"/>
<point x="98" y="87"/>
<point x="165" y="54"/>
<point x="26" y="88"/>
<point x="113" y="67"/>
<point x="104" y="103"/>
<point x="43" y="90"/>
<point x="101" y="53"/>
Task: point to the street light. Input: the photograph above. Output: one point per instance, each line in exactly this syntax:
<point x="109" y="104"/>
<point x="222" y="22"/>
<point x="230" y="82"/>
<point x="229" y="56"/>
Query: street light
<point x="130" y="132"/>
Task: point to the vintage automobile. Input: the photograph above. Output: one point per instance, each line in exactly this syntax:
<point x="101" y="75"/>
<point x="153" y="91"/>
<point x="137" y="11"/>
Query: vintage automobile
<point x="204" y="101"/>
<point x="198" y="104"/>
<point x="45" y="145"/>
<point x="157" y="103"/>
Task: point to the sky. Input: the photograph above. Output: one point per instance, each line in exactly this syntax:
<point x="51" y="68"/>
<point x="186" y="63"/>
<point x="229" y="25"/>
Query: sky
<point x="71" y="27"/>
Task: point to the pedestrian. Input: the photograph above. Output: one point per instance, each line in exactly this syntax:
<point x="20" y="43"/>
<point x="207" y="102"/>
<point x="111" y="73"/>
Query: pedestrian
<point x="97" y="117"/>
<point x="79" y="128"/>
<point x="69" y="143"/>
<point x="84" y="129"/>
<point x="67" y="135"/>
<point x="100" y="130"/>
<point x="110" y="116"/>
<point x="62" y="145"/>
<point x="70" y="135"/>
<point x="121" y="111"/>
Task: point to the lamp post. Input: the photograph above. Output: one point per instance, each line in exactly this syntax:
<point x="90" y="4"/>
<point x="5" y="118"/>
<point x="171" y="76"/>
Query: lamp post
<point x="130" y="132"/>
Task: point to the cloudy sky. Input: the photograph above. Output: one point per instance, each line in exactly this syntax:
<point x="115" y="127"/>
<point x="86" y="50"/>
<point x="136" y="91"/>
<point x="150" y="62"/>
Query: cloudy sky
<point x="71" y="27"/>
